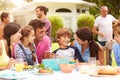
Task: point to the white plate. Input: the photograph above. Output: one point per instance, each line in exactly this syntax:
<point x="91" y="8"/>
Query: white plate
<point x="12" y="76"/>
<point x="98" y="75"/>
<point x="37" y="73"/>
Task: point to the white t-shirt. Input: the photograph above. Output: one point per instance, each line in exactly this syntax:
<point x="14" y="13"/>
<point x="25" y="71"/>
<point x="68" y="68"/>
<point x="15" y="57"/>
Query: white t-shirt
<point x="104" y="25"/>
<point x="67" y="53"/>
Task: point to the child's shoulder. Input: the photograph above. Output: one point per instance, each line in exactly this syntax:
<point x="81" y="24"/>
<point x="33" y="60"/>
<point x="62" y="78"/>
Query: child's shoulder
<point x="55" y="50"/>
<point x="72" y="47"/>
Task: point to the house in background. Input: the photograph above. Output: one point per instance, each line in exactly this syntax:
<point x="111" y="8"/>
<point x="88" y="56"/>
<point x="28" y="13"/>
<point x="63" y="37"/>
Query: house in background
<point x="68" y="9"/>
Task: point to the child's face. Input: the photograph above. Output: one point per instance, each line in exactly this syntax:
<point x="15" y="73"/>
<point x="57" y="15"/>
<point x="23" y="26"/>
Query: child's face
<point x="117" y="38"/>
<point x="64" y="41"/>
<point x="31" y="37"/>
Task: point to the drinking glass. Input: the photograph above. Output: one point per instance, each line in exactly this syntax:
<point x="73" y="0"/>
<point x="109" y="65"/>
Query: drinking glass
<point x="92" y="64"/>
<point x="19" y="64"/>
<point x="92" y="61"/>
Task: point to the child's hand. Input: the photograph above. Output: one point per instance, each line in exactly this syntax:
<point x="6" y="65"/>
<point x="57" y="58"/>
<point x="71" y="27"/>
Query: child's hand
<point x="53" y="55"/>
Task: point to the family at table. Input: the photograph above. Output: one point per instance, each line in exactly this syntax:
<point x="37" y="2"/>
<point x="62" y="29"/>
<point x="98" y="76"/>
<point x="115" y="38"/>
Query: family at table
<point x="31" y="42"/>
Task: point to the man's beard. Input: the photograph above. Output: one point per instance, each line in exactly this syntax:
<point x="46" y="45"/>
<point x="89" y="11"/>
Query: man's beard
<point x="39" y="16"/>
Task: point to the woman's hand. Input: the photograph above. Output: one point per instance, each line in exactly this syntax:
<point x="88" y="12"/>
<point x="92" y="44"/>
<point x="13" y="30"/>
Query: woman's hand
<point x="10" y="63"/>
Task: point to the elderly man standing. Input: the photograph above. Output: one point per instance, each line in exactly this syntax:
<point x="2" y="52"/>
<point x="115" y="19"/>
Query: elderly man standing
<point x="103" y="28"/>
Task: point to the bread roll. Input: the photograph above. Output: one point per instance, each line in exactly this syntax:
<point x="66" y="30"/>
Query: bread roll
<point x="107" y="70"/>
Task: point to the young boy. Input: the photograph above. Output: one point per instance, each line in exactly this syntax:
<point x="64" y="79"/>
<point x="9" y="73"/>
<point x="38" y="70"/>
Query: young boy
<point x="64" y="50"/>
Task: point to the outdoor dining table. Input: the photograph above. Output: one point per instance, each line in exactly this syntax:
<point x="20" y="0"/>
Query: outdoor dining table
<point x="57" y="75"/>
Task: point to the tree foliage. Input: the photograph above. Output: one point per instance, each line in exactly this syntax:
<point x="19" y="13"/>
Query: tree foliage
<point x="85" y="20"/>
<point x="113" y="6"/>
<point x="6" y="5"/>
<point x="57" y="23"/>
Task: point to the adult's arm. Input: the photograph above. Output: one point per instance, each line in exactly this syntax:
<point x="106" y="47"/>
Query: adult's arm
<point x="95" y="30"/>
<point x="101" y="55"/>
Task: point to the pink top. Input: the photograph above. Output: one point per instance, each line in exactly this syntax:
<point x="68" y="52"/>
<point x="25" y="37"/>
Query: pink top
<point x="48" y="26"/>
<point x="42" y="46"/>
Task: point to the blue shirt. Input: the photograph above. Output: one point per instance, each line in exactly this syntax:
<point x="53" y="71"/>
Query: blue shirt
<point x="86" y="54"/>
<point x="116" y="50"/>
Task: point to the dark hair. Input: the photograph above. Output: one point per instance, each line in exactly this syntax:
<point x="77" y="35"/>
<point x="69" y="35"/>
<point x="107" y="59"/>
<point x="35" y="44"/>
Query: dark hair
<point x="35" y="23"/>
<point x="42" y="8"/>
<point x="4" y="15"/>
<point x="10" y="29"/>
<point x="25" y="32"/>
<point x="85" y="33"/>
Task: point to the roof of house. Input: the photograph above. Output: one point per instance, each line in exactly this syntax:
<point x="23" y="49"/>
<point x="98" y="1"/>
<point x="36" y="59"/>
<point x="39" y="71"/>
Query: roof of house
<point x="29" y="6"/>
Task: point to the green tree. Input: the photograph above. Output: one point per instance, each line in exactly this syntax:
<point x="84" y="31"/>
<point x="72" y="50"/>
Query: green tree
<point x="6" y="5"/>
<point x="113" y="5"/>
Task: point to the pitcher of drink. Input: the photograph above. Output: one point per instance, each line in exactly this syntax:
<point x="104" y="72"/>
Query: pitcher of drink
<point x="19" y="64"/>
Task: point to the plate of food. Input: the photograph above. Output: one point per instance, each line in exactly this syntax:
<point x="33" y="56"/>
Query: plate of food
<point x="44" y="71"/>
<point x="28" y="67"/>
<point x="38" y="66"/>
<point x="103" y="71"/>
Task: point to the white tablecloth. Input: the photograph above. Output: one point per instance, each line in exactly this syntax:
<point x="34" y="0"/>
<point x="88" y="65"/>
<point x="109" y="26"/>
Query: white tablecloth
<point x="58" y="75"/>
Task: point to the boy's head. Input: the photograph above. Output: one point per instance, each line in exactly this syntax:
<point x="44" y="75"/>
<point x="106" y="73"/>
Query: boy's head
<point x="63" y="36"/>
<point x="63" y="33"/>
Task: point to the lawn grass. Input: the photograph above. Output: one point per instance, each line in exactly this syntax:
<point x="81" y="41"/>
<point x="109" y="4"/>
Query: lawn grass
<point x="55" y="46"/>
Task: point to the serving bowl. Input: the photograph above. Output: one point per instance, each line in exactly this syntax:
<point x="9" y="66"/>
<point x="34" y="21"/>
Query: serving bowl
<point x="66" y="68"/>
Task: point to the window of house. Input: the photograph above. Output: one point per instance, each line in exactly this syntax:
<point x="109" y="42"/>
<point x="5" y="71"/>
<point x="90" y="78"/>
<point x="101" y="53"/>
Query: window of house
<point x="63" y="10"/>
<point x="78" y="10"/>
<point x="83" y="11"/>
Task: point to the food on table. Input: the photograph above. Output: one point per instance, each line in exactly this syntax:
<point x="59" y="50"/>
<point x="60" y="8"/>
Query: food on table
<point x="66" y="68"/>
<point x="107" y="70"/>
<point x="38" y="66"/>
<point x="19" y="67"/>
<point x="72" y="61"/>
<point x="26" y="67"/>
<point x="42" y="69"/>
<point x="45" y="70"/>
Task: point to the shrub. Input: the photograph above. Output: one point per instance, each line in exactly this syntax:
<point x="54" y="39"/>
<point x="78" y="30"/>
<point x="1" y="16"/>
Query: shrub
<point x="85" y="20"/>
<point x="57" y="23"/>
